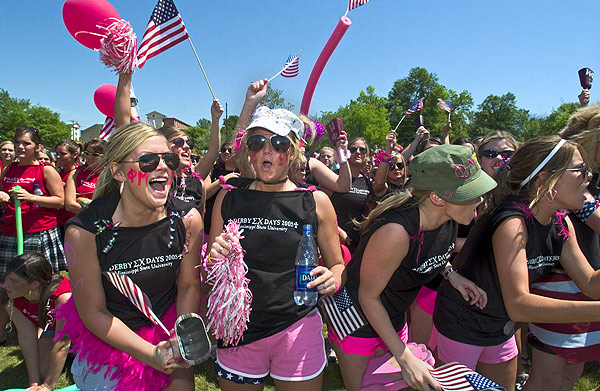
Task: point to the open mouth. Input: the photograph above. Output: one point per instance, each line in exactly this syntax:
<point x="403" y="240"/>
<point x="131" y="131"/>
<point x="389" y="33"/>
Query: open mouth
<point x="267" y="165"/>
<point x="159" y="185"/>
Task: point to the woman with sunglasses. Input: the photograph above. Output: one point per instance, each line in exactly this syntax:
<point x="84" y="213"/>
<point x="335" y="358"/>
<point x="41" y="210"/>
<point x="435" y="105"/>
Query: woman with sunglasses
<point x="134" y="228"/>
<point x="79" y="189"/>
<point x="350" y="205"/>
<point x="391" y="171"/>
<point x="187" y="184"/>
<point x="494" y="150"/>
<point x="32" y="295"/>
<point x="282" y="339"/>
<point x="560" y="361"/>
<point x="522" y="236"/>
<point x="406" y="242"/>
<point x="38" y="211"/>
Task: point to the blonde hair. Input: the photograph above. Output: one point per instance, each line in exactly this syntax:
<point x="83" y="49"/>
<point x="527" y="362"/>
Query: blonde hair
<point x="496" y="135"/>
<point x="171" y="132"/>
<point x="583" y="127"/>
<point x="242" y="157"/>
<point x="123" y="141"/>
<point x="527" y="157"/>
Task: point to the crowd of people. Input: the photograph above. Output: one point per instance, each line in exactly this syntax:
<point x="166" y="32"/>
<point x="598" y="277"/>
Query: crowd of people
<point x="483" y="250"/>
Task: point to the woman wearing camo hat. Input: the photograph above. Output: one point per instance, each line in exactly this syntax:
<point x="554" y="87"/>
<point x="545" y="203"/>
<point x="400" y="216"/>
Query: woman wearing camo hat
<point x="406" y="242"/>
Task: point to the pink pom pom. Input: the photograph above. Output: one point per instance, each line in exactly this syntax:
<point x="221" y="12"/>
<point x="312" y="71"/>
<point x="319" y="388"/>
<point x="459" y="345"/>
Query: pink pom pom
<point x="119" y="47"/>
<point x="230" y="298"/>
<point x="320" y="129"/>
<point x="237" y="144"/>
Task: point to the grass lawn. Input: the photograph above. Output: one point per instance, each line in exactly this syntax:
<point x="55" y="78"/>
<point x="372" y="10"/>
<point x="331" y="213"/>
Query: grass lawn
<point x="14" y="374"/>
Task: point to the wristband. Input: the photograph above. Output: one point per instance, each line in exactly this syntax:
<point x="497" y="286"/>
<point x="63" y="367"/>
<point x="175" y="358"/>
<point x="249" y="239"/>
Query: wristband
<point x="385" y="159"/>
<point x="337" y="286"/>
<point x="447" y="273"/>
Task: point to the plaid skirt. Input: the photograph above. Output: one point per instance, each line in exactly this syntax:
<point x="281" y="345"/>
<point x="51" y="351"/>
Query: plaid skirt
<point x="47" y="242"/>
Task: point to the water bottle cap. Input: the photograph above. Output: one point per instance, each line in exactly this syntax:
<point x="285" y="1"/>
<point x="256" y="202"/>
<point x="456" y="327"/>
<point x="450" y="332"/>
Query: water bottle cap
<point x="307" y="228"/>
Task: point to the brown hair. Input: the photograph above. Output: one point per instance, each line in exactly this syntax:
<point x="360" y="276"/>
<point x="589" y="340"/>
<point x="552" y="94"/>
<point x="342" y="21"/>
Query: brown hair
<point x="496" y="135"/>
<point x="33" y="134"/>
<point x="98" y="145"/>
<point x="583" y="127"/>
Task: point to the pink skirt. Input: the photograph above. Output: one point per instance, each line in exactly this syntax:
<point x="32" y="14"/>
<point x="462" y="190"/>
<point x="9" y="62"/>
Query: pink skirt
<point x="131" y="373"/>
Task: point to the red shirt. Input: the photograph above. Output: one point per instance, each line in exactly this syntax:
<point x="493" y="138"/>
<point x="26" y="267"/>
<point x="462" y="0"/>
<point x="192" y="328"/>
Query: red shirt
<point x="30" y="310"/>
<point x="85" y="182"/>
<point x="62" y="214"/>
<point x="35" y="218"/>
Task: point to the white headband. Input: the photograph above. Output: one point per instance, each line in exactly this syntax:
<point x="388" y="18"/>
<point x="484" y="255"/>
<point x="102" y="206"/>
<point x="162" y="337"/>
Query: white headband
<point x="543" y="163"/>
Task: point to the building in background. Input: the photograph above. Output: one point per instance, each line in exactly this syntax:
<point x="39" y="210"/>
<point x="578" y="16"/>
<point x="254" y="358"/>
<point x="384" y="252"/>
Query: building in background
<point x="153" y="118"/>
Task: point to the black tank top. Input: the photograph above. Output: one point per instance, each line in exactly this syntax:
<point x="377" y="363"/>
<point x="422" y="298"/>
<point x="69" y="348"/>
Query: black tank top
<point x="272" y="224"/>
<point x="350" y="205"/>
<point x="457" y="319"/>
<point x="149" y="255"/>
<point x="428" y="254"/>
<point x="189" y="189"/>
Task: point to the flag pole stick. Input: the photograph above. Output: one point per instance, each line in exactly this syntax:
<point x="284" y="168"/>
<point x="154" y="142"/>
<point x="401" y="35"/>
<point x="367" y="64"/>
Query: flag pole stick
<point x="449" y="116"/>
<point x="281" y="71"/>
<point x="201" y="67"/>
<point x="401" y="119"/>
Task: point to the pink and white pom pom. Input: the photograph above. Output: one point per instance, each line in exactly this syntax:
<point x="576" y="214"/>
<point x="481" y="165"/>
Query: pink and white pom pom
<point x="230" y="298"/>
<point x="119" y="47"/>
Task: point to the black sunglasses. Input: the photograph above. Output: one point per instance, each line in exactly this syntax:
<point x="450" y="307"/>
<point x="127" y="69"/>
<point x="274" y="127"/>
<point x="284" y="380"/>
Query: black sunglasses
<point x="583" y="169"/>
<point x="492" y="154"/>
<point x="280" y="144"/>
<point x="399" y="165"/>
<point x="223" y="150"/>
<point x="95" y="154"/>
<point x="362" y="150"/>
<point x="149" y="161"/>
<point x="179" y="142"/>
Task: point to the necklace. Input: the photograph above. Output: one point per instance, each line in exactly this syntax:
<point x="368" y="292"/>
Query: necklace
<point x="273" y="183"/>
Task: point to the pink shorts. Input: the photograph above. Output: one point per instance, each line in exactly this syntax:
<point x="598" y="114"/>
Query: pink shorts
<point x="369" y="346"/>
<point x="469" y="355"/>
<point x="426" y="299"/>
<point x="294" y="354"/>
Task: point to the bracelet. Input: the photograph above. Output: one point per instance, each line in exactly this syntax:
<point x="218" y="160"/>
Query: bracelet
<point x="385" y="159"/>
<point x="337" y="286"/>
<point x="447" y="273"/>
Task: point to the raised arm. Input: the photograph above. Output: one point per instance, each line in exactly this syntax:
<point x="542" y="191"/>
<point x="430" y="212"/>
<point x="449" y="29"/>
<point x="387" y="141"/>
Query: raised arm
<point x="329" y="180"/>
<point x="422" y="134"/>
<point x="205" y="165"/>
<point x="123" y="100"/>
<point x="255" y="93"/>
<point x="380" y="183"/>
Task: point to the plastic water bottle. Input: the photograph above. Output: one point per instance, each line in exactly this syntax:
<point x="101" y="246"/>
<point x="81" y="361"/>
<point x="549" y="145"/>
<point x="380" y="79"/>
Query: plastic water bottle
<point x="36" y="190"/>
<point x="306" y="260"/>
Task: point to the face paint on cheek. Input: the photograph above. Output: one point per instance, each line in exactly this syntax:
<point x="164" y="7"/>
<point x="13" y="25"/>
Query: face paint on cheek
<point x="142" y="175"/>
<point x="131" y="174"/>
<point x="253" y="157"/>
<point x="282" y="160"/>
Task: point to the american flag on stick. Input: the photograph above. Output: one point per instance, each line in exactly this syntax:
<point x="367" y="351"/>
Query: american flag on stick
<point x="344" y="317"/>
<point x="457" y="377"/>
<point x="417" y="105"/>
<point x="107" y="129"/>
<point x="445" y="105"/>
<point x="356" y="3"/>
<point x="165" y="30"/>
<point x="292" y="66"/>
<point x="138" y="298"/>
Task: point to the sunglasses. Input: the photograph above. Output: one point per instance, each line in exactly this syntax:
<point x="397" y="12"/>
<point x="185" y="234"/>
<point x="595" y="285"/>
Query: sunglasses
<point x="223" y="150"/>
<point x="94" y="154"/>
<point x="583" y="169"/>
<point x="257" y="142"/>
<point x="149" y="161"/>
<point x="490" y="153"/>
<point x="362" y="150"/>
<point x="399" y="166"/>
<point x="179" y="142"/>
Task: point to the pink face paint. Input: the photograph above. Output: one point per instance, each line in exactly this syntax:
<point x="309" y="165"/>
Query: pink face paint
<point x="131" y="174"/>
<point x="78" y="283"/>
<point x="70" y="254"/>
<point x="253" y="157"/>
<point x="281" y="160"/>
<point x="142" y="175"/>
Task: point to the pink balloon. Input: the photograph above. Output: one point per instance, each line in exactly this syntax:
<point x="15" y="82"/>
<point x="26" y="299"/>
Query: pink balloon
<point x="81" y="18"/>
<point x="104" y="98"/>
<point x="330" y="46"/>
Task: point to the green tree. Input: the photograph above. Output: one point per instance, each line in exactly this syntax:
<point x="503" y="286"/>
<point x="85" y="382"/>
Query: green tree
<point x="200" y="136"/>
<point x="364" y="117"/>
<point x="501" y="113"/>
<point x="203" y="123"/>
<point x="422" y="84"/>
<point x="228" y="128"/>
<point x="275" y="100"/>
<point x="16" y="112"/>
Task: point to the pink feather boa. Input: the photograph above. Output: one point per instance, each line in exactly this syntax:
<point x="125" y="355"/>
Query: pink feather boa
<point x="119" y="47"/>
<point x="131" y="373"/>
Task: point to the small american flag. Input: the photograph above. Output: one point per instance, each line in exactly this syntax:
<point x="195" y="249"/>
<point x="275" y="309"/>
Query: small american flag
<point x="292" y="66"/>
<point x="344" y="318"/>
<point x="356" y="3"/>
<point x="445" y="105"/>
<point x="457" y="377"/>
<point x="165" y="30"/>
<point x="417" y="105"/>
<point x="107" y="129"/>
<point x="138" y="298"/>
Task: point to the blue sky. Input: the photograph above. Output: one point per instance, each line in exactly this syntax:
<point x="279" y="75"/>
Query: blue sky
<point x="530" y="48"/>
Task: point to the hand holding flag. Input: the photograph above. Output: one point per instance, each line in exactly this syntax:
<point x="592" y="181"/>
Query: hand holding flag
<point x="417" y="105"/>
<point x="291" y="67"/>
<point x="445" y="105"/>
